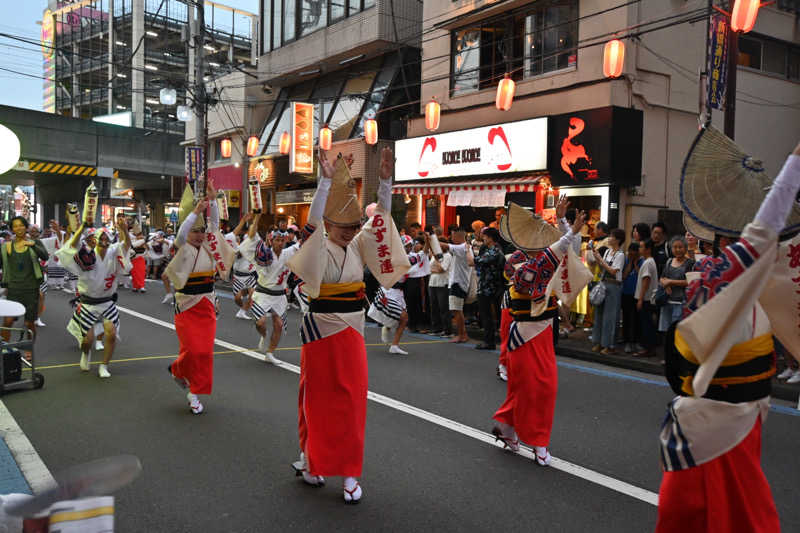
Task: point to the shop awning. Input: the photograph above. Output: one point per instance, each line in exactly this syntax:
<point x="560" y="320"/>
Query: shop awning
<point x="518" y="184"/>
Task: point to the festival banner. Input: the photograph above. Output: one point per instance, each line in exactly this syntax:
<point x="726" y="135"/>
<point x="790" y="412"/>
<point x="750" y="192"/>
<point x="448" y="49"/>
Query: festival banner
<point x="717" y="61"/>
<point x="301" y="154"/>
<point x="194" y="163"/>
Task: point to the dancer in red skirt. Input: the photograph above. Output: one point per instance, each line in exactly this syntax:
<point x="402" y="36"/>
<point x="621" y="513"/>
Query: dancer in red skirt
<point x="202" y="253"/>
<point x="332" y="400"/>
<point x="527" y="413"/>
<point x="722" y="362"/>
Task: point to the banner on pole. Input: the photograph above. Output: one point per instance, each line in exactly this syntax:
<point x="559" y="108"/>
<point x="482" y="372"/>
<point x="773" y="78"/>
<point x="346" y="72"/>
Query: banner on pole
<point x="194" y="163"/>
<point x="301" y="155"/>
<point x="718" y="61"/>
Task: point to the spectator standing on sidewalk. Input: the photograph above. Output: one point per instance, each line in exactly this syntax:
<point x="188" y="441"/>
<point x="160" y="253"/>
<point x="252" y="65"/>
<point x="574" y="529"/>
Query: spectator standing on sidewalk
<point x="630" y="274"/>
<point x="673" y="279"/>
<point x="606" y="315"/>
<point x="437" y="292"/>
<point x="458" y="283"/>
<point x="489" y="265"/>
<point x="661" y="249"/>
<point x="646" y="284"/>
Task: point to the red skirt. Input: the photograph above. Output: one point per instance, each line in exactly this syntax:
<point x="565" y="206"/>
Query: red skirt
<point x="138" y="271"/>
<point x="531" y="390"/>
<point x="505" y="325"/>
<point x="332" y="404"/>
<point x="729" y="493"/>
<point x="196" y="328"/>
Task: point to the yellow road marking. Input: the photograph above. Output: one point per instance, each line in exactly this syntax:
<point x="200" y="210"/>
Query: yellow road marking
<point x="225" y="352"/>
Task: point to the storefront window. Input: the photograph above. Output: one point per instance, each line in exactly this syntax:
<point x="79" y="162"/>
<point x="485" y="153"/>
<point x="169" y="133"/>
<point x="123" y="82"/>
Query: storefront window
<point x="313" y="15"/>
<point x="378" y="94"/>
<point x="348" y="108"/>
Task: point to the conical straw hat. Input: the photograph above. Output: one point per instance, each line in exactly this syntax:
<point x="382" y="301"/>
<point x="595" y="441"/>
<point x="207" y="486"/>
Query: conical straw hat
<point x="342" y="207"/>
<point x="698" y="230"/>
<point x="526" y="230"/>
<point x="187" y="206"/>
<point x="722" y="187"/>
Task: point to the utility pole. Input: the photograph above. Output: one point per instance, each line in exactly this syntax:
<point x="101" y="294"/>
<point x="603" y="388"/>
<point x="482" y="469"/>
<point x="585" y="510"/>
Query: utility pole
<point x="730" y="92"/>
<point x="200" y="101"/>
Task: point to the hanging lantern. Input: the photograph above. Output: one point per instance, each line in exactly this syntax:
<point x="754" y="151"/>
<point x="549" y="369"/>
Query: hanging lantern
<point x="325" y="138"/>
<point x="371" y="131"/>
<point x="225" y="148"/>
<point x="286" y="143"/>
<point x="505" y="93"/>
<point x="613" y="58"/>
<point x="252" y="145"/>
<point x="744" y="14"/>
<point x="432" y="113"/>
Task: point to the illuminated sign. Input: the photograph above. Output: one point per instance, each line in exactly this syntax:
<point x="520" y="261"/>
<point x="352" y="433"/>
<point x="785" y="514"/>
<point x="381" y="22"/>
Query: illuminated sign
<point x="48" y="34"/>
<point x="301" y="155"/>
<point x="503" y="148"/>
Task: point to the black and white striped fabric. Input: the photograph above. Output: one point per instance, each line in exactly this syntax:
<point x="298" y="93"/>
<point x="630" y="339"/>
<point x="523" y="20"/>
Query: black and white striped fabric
<point x="86" y="316"/>
<point x="244" y="282"/>
<point x="43" y="286"/>
<point x="259" y="311"/>
<point x="676" y="451"/>
<point x="309" y="331"/>
<point x="56" y="274"/>
<point x="387" y="307"/>
<point x="515" y="339"/>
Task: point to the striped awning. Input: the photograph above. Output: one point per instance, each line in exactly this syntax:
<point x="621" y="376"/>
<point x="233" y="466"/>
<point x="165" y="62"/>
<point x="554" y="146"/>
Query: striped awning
<point x="518" y="184"/>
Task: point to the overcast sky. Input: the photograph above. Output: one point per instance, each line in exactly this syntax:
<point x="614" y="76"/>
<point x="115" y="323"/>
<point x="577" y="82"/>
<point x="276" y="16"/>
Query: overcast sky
<point x="19" y="18"/>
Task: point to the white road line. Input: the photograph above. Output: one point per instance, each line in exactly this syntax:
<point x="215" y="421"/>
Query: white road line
<point x="559" y="464"/>
<point x="36" y="473"/>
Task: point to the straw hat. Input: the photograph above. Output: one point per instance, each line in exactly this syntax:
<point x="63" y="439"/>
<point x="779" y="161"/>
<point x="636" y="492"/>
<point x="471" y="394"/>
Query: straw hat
<point x="342" y="207"/>
<point x="526" y="230"/>
<point x="187" y="206"/>
<point x="722" y="187"/>
<point x="698" y="230"/>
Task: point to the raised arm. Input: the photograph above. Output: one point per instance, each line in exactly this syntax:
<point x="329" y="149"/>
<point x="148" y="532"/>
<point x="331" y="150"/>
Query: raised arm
<point x="239" y="229"/>
<point x="73" y="242"/>
<point x="251" y="232"/>
<point x="125" y="237"/>
<point x="778" y="203"/>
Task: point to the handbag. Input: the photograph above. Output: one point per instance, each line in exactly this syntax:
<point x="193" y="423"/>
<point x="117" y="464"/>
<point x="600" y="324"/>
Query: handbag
<point x="598" y="294"/>
<point x="660" y="297"/>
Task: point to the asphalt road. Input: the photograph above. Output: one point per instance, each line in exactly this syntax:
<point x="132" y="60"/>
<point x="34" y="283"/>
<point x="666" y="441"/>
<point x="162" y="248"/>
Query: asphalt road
<point x="229" y="469"/>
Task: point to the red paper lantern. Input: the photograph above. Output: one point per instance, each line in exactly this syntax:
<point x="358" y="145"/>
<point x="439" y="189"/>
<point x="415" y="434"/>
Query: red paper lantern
<point x="505" y="94"/>
<point x="225" y="148"/>
<point x="613" y="58"/>
<point x="286" y="143"/>
<point x="371" y="131"/>
<point x="325" y="138"/>
<point x="252" y="145"/>
<point x="432" y="113"/>
<point x="744" y="14"/>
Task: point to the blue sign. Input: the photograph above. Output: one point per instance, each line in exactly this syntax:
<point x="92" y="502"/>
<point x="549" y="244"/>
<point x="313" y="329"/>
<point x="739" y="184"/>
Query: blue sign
<point x="718" y="61"/>
<point x="194" y="163"/>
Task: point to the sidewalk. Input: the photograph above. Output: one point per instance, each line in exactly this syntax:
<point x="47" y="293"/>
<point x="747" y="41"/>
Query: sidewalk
<point x="577" y="346"/>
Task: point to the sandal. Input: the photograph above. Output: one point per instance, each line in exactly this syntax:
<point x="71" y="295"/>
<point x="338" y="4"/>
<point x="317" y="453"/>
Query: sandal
<point x="353" y="496"/>
<point x="508" y="442"/>
<point x="300" y="470"/>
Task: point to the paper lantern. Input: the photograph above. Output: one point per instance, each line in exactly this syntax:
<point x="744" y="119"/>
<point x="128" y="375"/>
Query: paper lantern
<point x="371" y="131"/>
<point x="252" y="145"/>
<point x="613" y="58"/>
<point x="744" y="14"/>
<point x="325" y="138"/>
<point x="432" y="113"/>
<point x="505" y="93"/>
<point x="225" y="148"/>
<point x="286" y="143"/>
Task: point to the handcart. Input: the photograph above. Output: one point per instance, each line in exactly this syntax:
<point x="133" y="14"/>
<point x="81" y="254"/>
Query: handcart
<point x="13" y="363"/>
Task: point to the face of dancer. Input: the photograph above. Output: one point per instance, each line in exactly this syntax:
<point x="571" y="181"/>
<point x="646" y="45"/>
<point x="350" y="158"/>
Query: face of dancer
<point x="91" y="242"/>
<point x="342" y="235"/>
<point x="19" y="229"/>
<point x="103" y="242"/>
<point x="196" y="237"/>
<point x="278" y="242"/>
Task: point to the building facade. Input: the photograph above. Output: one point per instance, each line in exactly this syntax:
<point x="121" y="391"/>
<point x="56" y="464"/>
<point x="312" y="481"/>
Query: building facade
<point x="615" y="146"/>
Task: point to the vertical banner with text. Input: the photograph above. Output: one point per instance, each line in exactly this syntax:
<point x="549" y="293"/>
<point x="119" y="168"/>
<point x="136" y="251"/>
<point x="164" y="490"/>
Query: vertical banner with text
<point x="717" y="61"/>
<point x="301" y="155"/>
<point x="194" y="163"/>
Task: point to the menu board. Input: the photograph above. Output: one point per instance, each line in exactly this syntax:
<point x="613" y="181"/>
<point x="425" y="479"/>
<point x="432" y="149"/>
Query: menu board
<point x="301" y="154"/>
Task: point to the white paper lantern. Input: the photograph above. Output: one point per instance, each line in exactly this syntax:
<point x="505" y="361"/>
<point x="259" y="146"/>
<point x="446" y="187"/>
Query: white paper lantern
<point x="9" y="149"/>
<point x="184" y="113"/>
<point x="168" y="96"/>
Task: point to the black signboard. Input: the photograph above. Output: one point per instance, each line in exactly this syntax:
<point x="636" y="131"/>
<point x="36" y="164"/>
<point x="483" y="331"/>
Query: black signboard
<point x="596" y="146"/>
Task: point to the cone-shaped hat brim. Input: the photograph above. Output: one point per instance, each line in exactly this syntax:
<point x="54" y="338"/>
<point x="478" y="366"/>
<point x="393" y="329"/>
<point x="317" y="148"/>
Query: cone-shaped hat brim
<point x="527" y="231"/>
<point x="343" y="207"/>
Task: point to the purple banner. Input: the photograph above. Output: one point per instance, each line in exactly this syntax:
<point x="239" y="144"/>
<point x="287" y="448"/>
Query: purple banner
<point x="717" y="61"/>
<point x="194" y="163"/>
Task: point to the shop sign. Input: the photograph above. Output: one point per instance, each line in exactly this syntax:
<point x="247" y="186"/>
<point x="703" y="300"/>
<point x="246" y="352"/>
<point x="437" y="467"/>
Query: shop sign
<point x="48" y="34"/>
<point x="234" y="198"/>
<point x="301" y="154"/>
<point x="299" y="196"/>
<point x="500" y="149"/>
<point x="596" y="146"/>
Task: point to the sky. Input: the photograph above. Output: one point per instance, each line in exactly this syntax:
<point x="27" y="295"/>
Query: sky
<point x="18" y="18"/>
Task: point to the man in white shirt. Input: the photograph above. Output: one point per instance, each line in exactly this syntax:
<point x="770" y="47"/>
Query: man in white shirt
<point x="458" y="283"/>
<point x="438" y="292"/>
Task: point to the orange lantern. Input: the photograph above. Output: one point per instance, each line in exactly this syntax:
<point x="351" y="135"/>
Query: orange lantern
<point x="505" y="93"/>
<point x="252" y="145"/>
<point x="325" y="138"/>
<point x="432" y="112"/>
<point x="371" y="131"/>
<point x="613" y="58"/>
<point x="225" y="148"/>
<point x="744" y="14"/>
<point x="286" y="143"/>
